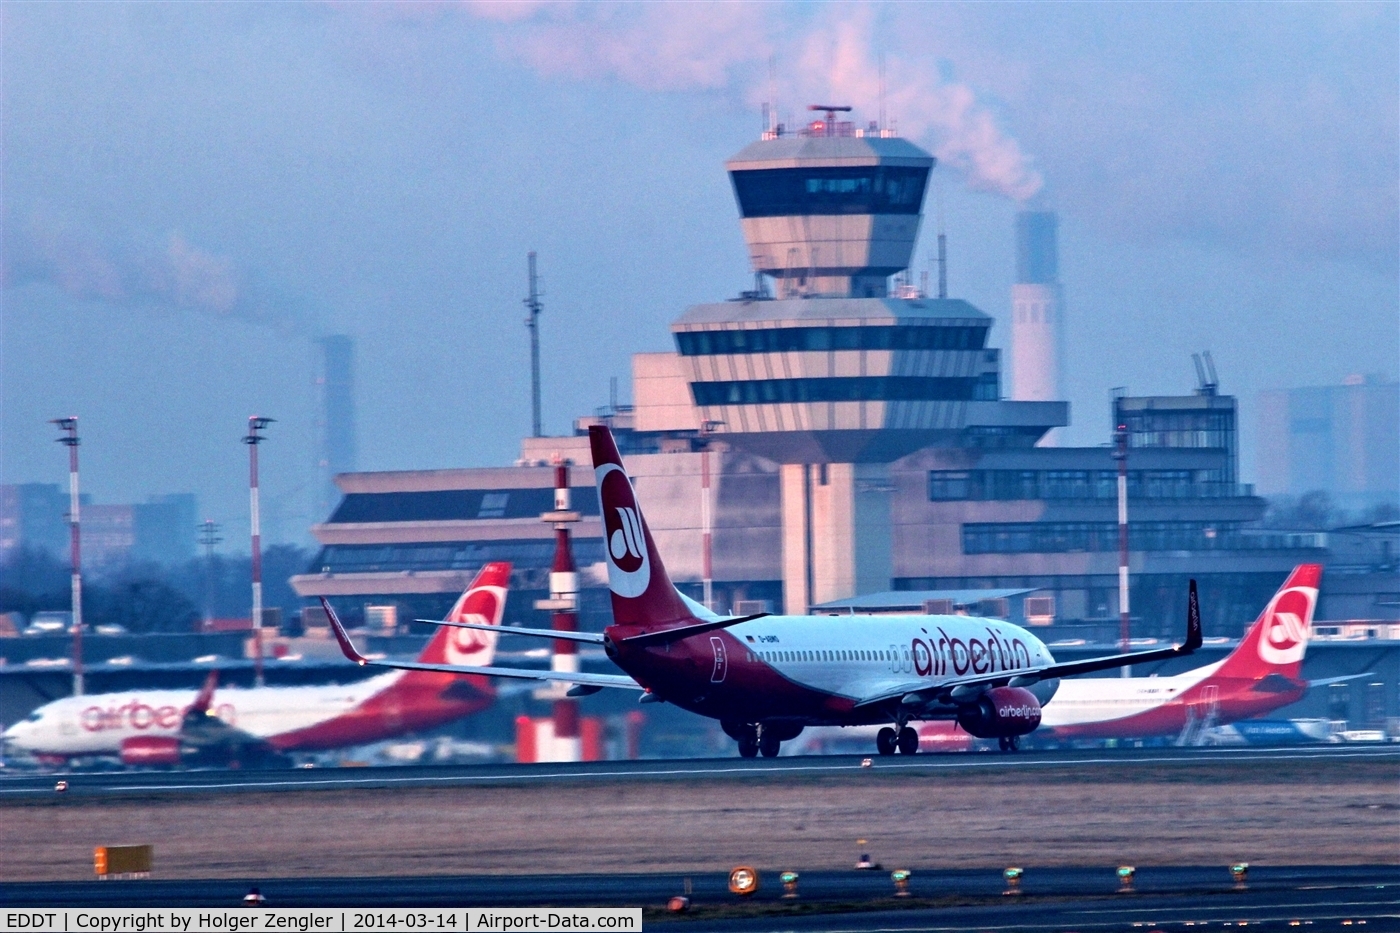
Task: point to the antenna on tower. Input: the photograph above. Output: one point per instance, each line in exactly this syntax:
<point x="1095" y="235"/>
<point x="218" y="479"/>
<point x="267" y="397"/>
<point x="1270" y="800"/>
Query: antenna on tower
<point x="772" y="124"/>
<point x="882" y="93"/>
<point x="942" y="238"/>
<point x="532" y="304"/>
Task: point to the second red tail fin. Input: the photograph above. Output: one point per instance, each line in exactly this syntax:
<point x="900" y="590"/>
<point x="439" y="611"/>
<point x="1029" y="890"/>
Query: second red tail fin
<point x="483" y="602"/>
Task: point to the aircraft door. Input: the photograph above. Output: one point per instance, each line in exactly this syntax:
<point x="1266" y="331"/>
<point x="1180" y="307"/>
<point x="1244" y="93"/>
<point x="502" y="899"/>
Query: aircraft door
<point x="721" y="660"/>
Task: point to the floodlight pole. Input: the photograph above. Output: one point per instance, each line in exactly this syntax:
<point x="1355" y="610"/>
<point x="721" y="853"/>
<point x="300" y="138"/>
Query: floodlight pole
<point x="69" y="427"/>
<point x="253" y="439"/>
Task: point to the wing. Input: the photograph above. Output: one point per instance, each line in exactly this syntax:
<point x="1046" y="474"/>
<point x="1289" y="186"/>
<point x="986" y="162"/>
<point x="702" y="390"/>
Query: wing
<point x="588" y="638"/>
<point x="917" y="693"/>
<point x="598" y="681"/>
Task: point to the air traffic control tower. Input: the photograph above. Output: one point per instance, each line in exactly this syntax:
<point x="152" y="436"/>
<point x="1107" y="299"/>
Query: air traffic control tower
<point x="831" y="373"/>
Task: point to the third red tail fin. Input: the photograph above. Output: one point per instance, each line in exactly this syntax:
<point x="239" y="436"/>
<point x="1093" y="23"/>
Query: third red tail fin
<point x="1275" y="643"/>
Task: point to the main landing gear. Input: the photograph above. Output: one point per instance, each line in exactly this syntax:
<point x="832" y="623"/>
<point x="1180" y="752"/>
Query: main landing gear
<point x="1011" y="744"/>
<point x="906" y="740"/>
<point x="754" y="739"/>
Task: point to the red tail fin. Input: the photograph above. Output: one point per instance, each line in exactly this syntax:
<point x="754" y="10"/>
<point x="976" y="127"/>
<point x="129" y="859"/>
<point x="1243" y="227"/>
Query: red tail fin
<point x="642" y="593"/>
<point x="205" y="697"/>
<point x="484" y="601"/>
<point x="1275" y="643"/>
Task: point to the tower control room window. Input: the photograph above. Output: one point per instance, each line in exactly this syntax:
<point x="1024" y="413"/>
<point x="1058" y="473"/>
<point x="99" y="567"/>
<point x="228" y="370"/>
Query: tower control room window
<point x="876" y="189"/>
<point x="836" y="389"/>
<point x="872" y="337"/>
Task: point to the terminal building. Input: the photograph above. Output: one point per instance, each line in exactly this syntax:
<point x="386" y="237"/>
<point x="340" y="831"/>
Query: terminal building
<point x="842" y="434"/>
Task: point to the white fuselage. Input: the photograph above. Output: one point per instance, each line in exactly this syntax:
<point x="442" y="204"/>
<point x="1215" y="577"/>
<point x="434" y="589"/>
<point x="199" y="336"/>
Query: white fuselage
<point x="1105" y="699"/>
<point x="98" y="724"/>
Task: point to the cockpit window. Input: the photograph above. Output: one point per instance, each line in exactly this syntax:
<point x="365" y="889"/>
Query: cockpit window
<point x="34" y="716"/>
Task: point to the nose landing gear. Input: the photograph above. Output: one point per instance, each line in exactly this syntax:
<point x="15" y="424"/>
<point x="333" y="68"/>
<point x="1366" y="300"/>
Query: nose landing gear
<point x="1011" y="744"/>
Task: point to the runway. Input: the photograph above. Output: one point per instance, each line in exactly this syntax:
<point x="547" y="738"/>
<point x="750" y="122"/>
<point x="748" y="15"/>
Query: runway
<point x="31" y="784"/>
<point x="1050" y="899"/>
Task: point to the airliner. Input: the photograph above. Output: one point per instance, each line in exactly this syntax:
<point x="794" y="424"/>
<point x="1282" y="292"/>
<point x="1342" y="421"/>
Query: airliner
<point x="766" y="677"/>
<point x="260" y="726"/>
<point x="1262" y="674"/>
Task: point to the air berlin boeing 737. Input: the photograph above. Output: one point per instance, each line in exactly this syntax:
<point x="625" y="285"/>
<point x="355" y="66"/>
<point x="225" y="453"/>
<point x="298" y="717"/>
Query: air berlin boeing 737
<point x="168" y="727"/>
<point x="1262" y="674"/>
<point x="766" y="677"/>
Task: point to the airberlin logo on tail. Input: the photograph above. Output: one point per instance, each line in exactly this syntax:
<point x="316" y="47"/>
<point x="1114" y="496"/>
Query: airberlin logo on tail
<point x="629" y="567"/>
<point x="1285" y="634"/>
<point x="469" y="647"/>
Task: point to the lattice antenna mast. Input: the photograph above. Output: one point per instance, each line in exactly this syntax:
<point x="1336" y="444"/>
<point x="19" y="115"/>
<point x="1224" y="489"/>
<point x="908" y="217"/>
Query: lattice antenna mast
<point x="532" y="304"/>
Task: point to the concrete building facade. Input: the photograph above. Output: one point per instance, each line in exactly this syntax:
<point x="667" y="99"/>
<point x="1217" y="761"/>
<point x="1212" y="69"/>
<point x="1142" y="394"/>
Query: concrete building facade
<point x="852" y="438"/>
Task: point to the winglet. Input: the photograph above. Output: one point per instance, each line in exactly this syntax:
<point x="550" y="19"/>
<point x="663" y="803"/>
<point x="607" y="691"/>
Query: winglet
<point x="347" y="647"/>
<point x="1193" y="622"/>
<point x="205" y="697"/>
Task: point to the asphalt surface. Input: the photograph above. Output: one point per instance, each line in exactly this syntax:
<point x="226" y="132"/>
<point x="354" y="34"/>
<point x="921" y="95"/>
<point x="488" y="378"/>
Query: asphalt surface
<point x="1050" y="899"/>
<point x="28" y="784"/>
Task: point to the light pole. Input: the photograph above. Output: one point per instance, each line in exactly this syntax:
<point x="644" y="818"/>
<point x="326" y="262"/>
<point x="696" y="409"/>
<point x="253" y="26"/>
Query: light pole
<point x="1120" y="454"/>
<point x="707" y="430"/>
<point x="253" y="439"/>
<point x="69" y="427"/>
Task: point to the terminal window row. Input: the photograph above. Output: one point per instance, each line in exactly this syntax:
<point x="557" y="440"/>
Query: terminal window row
<point x="787" y="192"/>
<point x="876" y="337"/>
<point x="457" y="504"/>
<point x="848" y="389"/>
<point x="1156" y="428"/>
<point x="525" y="554"/>
<point x="1065" y="537"/>
<point x="1002" y="485"/>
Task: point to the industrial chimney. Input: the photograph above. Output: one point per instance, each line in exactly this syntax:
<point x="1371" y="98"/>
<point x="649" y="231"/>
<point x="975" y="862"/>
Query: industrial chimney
<point x="1037" y="312"/>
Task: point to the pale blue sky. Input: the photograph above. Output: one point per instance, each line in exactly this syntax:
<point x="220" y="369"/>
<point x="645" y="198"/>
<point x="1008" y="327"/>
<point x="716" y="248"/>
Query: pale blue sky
<point x="193" y="192"/>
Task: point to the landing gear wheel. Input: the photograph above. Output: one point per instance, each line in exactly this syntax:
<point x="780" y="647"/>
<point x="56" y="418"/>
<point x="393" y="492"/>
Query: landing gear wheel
<point x="908" y="741"/>
<point x="769" y="744"/>
<point x="1010" y="744"/>
<point x="885" y="741"/>
<point x="748" y="746"/>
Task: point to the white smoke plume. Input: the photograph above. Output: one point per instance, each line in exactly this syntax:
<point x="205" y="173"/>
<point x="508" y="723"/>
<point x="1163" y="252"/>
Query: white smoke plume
<point x="830" y="57"/>
<point x="166" y="273"/>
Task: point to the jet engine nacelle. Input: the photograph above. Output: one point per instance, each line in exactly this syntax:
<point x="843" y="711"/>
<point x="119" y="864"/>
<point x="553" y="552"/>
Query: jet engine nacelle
<point x="1001" y="712"/>
<point x="151" y="750"/>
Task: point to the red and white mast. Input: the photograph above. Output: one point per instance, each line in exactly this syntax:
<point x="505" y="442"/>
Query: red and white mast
<point x="69" y="427"/>
<point x="253" y="439"/>
<point x="563" y="603"/>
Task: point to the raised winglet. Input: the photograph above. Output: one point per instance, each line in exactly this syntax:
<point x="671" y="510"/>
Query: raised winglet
<point x="1193" y="622"/>
<point x="205" y="697"/>
<point x="347" y="647"/>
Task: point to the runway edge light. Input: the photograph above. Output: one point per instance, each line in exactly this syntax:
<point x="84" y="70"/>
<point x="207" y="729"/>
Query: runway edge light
<point x="900" y="877"/>
<point x="789" y="880"/>
<point x="1126" y="873"/>
<point x="743" y="881"/>
<point x="1013" y="880"/>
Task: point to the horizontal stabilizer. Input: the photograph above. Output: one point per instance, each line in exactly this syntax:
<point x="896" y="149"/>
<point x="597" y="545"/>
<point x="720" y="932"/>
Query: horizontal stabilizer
<point x="348" y="648"/>
<point x="588" y="638"/>
<point x="685" y="631"/>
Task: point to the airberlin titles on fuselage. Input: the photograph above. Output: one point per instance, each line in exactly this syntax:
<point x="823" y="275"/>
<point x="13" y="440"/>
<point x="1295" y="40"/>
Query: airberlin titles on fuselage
<point x="139" y="715"/>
